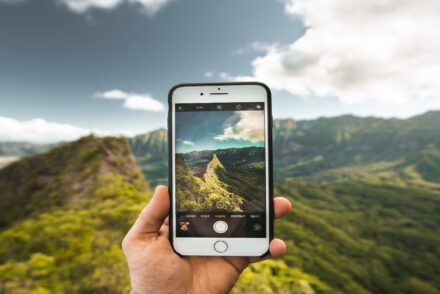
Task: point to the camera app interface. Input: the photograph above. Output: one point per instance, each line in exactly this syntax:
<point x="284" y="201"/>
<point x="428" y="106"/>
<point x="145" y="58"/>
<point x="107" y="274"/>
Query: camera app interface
<point x="220" y="169"/>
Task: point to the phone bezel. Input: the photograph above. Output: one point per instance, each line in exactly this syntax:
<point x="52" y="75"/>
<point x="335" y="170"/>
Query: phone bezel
<point x="190" y="93"/>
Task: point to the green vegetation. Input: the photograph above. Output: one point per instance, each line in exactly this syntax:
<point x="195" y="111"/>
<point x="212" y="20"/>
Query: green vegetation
<point x="231" y="176"/>
<point x="274" y="276"/>
<point x="303" y="148"/>
<point x="201" y="194"/>
<point x="70" y="243"/>
<point x="366" y="195"/>
<point x="361" y="235"/>
<point x="240" y="173"/>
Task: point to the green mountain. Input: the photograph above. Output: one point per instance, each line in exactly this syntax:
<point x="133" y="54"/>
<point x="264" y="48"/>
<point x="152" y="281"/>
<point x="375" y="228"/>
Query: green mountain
<point x="151" y="152"/>
<point x="366" y="193"/>
<point x="237" y="171"/>
<point x="302" y="148"/>
<point x="63" y="215"/>
<point x="201" y="193"/>
<point x="366" y="196"/>
<point x="365" y="229"/>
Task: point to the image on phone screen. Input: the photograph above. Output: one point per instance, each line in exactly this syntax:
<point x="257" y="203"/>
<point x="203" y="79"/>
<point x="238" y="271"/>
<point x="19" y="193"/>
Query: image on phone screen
<point x="220" y="167"/>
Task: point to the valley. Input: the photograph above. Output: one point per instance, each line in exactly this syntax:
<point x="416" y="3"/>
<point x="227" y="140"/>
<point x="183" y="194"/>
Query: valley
<point x="365" y="192"/>
<point x="228" y="176"/>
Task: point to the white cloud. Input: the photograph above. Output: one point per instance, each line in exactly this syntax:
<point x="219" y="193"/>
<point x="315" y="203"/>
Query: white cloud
<point x="80" y="6"/>
<point x="133" y="100"/>
<point x="187" y="142"/>
<point x="249" y="127"/>
<point x="358" y="51"/>
<point x="209" y="74"/>
<point x="150" y="7"/>
<point x="39" y="131"/>
<point x="113" y="94"/>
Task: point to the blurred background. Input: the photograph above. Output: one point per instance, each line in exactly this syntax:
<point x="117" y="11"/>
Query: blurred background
<point x="83" y="90"/>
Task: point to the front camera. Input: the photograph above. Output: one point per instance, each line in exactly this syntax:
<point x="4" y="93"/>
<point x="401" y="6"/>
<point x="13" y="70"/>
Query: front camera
<point x="201" y="94"/>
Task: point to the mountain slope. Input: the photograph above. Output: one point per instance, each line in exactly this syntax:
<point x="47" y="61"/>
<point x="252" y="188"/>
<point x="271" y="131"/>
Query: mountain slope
<point x="364" y="234"/>
<point x="304" y="147"/>
<point x="366" y="198"/>
<point x="234" y="171"/>
<point x="151" y="153"/>
<point x="65" y="174"/>
<point x="202" y="193"/>
<point x="366" y="210"/>
<point x="64" y="214"/>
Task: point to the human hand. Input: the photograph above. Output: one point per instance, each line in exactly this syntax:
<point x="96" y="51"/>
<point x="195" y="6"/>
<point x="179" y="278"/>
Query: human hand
<point x="155" y="267"/>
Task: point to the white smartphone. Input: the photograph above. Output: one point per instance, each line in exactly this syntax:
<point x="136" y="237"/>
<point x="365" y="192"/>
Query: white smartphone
<point x="220" y="169"/>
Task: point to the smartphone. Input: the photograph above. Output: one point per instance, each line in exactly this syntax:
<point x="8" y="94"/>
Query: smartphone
<point x="220" y="169"/>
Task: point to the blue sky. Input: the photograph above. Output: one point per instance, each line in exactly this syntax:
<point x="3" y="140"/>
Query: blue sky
<point x="69" y="67"/>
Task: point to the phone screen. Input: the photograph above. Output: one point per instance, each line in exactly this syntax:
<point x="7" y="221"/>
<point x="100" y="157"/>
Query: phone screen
<point x="220" y="170"/>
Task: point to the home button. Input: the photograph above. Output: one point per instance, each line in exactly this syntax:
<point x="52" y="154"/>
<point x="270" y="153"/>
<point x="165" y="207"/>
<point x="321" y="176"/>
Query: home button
<point x="220" y="246"/>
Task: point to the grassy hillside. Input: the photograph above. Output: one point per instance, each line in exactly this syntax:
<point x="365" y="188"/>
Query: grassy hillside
<point x="239" y="171"/>
<point x="305" y="147"/>
<point x="361" y="229"/>
<point x="364" y="234"/>
<point x="200" y="194"/>
<point x="366" y="194"/>
<point x="63" y="217"/>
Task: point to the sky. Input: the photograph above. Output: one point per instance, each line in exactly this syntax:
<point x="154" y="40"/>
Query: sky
<point x="212" y="130"/>
<point x="71" y="67"/>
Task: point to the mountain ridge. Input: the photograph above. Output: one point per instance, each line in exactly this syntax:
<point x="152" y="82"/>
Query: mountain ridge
<point x="360" y="225"/>
<point x="63" y="215"/>
<point x="57" y="174"/>
<point x="306" y="146"/>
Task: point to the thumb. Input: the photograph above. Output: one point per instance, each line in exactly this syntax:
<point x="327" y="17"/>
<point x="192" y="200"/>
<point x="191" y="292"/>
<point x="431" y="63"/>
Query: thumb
<point x="154" y="214"/>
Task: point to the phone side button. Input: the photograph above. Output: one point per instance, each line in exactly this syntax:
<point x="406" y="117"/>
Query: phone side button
<point x="220" y="246"/>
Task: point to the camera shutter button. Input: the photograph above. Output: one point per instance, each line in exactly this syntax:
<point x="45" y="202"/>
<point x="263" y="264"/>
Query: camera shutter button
<point x="220" y="227"/>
